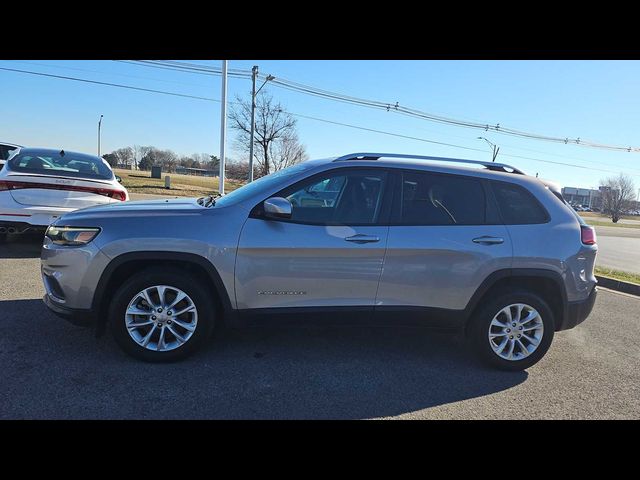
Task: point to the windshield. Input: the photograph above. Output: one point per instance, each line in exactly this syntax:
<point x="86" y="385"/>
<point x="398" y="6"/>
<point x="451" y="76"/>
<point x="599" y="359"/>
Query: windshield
<point x="261" y="185"/>
<point x="66" y="165"/>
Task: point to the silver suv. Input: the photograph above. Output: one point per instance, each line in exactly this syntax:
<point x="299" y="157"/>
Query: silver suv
<point x="475" y="247"/>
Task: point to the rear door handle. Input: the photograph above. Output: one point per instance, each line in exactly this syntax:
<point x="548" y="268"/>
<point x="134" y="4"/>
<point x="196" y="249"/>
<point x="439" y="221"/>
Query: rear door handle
<point x="360" y="238"/>
<point x="487" y="240"/>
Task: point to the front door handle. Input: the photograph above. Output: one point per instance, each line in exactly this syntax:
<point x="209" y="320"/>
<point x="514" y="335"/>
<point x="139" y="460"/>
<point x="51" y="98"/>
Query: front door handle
<point x="487" y="240"/>
<point x="360" y="238"/>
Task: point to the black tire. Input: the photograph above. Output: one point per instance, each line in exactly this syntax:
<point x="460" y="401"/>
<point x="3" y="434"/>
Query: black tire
<point x="162" y="276"/>
<point x="479" y="330"/>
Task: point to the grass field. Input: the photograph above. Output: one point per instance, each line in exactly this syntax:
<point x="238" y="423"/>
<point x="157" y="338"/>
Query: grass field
<point x="596" y="223"/>
<point x="618" y="275"/>
<point x="140" y="181"/>
<point x="604" y="217"/>
<point x="597" y="219"/>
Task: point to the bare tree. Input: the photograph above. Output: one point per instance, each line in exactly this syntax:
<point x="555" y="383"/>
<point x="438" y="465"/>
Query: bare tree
<point x="273" y="125"/>
<point x="188" y="162"/>
<point x="111" y="159"/>
<point x="124" y="156"/>
<point x="139" y="152"/>
<point x="166" y="158"/>
<point x="287" y="151"/>
<point x="200" y="159"/>
<point x="239" y="170"/>
<point x="618" y="194"/>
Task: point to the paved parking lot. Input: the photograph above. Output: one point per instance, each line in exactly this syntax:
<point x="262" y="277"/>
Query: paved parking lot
<point x="55" y="370"/>
<point x="619" y="248"/>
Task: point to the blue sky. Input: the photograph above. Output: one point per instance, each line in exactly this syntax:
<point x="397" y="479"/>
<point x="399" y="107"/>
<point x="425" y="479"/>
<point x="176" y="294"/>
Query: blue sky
<point x="594" y="100"/>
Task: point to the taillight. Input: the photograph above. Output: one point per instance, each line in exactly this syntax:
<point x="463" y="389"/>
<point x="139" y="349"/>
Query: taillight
<point x="118" y="195"/>
<point x="587" y="235"/>
<point x="107" y="192"/>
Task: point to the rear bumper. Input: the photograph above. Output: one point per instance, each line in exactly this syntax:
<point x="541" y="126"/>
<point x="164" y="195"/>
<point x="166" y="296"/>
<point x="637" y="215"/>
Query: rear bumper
<point x="577" y="312"/>
<point x="79" y="317"/>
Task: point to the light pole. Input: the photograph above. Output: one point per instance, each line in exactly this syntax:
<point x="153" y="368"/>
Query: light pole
<point x="496" y="149"/>
<point x="254" y="75"/>
<point x="99" y="125"/>
<point x="223" y="126"/>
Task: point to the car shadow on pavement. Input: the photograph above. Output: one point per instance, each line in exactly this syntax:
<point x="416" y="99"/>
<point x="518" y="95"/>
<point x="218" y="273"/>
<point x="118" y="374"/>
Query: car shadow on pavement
<point x="62" y="371"/>
<point x="21" y="246"/>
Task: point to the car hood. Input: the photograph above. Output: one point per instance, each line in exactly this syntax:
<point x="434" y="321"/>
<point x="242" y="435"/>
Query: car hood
<point x="183" y="206"/>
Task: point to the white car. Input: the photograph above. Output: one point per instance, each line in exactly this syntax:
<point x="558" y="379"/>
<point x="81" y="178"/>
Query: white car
<point x="38" y="185"/>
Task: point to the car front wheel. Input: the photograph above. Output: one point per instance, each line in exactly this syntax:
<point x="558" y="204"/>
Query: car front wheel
<point x="161" y="315"/>
<point x="513" y="332"/>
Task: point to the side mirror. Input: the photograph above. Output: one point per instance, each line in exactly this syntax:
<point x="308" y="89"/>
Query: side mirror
<point x="119" y="179"/>
<point x="277" y="207"/>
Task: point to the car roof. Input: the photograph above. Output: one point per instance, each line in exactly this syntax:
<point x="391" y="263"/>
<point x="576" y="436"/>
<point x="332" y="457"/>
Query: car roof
<point x="460" y="166"/>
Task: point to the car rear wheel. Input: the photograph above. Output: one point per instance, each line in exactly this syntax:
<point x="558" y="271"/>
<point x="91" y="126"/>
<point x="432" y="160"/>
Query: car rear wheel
<point x="161" y="315"/>
<point x="514" y="331"/>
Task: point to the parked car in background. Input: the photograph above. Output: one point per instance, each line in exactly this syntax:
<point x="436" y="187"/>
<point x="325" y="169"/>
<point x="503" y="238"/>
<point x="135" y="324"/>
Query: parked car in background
<point x="490" y="252"/>
<point x="6" y="149"/>
<point x="38" y="185"/>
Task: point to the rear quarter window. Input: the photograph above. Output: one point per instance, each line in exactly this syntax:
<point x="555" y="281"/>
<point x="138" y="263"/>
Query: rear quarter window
<point x="517" y="205"/>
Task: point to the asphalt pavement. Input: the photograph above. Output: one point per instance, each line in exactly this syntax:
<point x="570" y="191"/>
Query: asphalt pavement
<point x="619" y="248"/>
<point x="54" y="370"/>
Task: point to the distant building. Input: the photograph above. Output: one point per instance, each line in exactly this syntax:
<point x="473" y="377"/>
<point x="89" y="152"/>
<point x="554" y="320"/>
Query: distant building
<point x="201" y="172"/>
<point x="583" y="196"/>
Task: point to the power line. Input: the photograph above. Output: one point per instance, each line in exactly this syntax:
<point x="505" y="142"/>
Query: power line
<point x="395" y="107"/>
<point x="214" y="71"/>
<point x="130" y="87"/>
<point x="109" y="84"/>
<point x="448" y="144"/>
<point x="391" y="107"/>
<point x="379" y="131"/>
<point x="164" y="65"/>
<point x="65" y="67"/>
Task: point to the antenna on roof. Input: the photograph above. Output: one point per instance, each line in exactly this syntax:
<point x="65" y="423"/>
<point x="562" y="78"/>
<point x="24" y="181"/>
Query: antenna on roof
<point x="62" y="153"/>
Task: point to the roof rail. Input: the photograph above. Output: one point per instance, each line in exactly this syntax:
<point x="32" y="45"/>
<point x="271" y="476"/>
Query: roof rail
<point x="500" y="167"/>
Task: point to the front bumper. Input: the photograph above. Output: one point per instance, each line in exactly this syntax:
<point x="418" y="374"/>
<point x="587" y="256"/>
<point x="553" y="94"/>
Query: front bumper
<point x="577" y="312"/>
<point x="20" y="227"/>
<point x="79" y="317"/>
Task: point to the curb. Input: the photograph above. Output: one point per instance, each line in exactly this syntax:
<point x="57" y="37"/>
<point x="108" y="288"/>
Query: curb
<point x="618" y="285"/>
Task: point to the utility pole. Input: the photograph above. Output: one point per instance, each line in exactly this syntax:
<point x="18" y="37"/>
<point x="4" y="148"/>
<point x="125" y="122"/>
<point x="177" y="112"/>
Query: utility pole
<point x="223" y="126"/>
<point x="99" y="125"/>
<point x="496" y="148"/>
<point x="254" y="93"/>
<point x="254" y="75"/>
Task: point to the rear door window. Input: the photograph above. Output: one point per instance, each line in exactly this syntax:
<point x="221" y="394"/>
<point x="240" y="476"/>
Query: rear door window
<point x="439" y="199"/>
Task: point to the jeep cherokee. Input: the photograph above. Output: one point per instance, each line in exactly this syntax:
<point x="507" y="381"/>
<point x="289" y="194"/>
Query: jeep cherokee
<point x="476" y="247"/>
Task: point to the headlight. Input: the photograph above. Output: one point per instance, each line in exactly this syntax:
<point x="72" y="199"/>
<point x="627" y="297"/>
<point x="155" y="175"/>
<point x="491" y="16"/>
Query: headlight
<point x="71" y="235"/>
